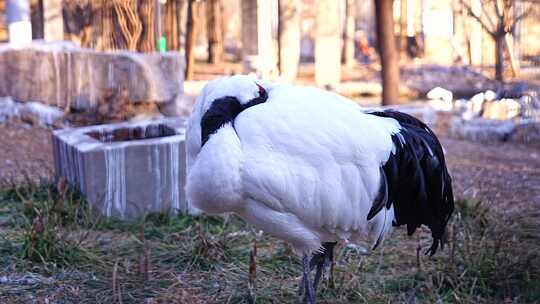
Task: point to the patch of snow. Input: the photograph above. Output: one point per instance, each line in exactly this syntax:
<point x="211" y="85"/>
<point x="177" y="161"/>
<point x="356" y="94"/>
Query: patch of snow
<point x="34" y="111"/>
<point x="513" y="107"/>
<point x="141" y="117"/>
<point x="441" y="105"/>
<point x="440" y="93"/>
<point x="8" y="108"/>
<point x="45" y="115"/>
<point x="474" y="107"/>
<point x="27" y="279"/>
<point x="489" y="95"/>
<point x="359" y="249"/>
<point x="480" y="129"/>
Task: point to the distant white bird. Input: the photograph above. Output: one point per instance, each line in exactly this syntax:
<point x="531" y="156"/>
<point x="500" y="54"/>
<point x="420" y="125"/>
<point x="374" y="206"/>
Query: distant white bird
<point x="312" y="168"/>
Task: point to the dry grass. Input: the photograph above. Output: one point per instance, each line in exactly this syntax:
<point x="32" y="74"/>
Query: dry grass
<point x="52" y="248"/>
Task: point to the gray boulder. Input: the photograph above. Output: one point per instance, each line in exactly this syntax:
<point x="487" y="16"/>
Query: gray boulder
<point x="62" y="74"/>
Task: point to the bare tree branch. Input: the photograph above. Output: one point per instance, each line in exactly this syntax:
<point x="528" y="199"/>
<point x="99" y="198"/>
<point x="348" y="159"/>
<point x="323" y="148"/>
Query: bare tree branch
<point x="485" y="13"/>
<point x="485" y="26"/>
<point x="516" y="20"/>
<point x="498" y="10"/>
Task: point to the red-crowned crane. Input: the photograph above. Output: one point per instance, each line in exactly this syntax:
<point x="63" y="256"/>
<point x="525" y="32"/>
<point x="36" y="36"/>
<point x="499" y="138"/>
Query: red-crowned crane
<point x="312" y="168"/>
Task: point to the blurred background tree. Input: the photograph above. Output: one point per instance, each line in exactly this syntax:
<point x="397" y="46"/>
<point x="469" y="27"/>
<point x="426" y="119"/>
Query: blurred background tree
<point x="386" y="46"/>
<point x="326" y="42"/>
<point x="499" y="18"/>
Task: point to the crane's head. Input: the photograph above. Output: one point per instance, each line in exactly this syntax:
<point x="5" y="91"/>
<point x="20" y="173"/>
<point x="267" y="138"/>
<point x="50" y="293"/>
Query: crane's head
<point x="224" y="98"/>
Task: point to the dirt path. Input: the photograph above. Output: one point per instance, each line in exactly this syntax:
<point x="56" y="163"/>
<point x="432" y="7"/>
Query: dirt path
<point x="507" y="175"/>
<point x="504" y="174"/>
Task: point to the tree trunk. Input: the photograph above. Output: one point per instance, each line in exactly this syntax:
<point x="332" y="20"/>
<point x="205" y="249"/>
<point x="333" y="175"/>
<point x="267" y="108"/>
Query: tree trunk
<point x="18" y="12"/>
<point x="171" y="24"/>
<point x="214" y="30"/>
<point x="37" y="12"/>
<point x="387" y="51"/>
<point x="147" y="15"/>
<point x="499" y="57"/>
<point x="107" y="27"/>
<point x="514" y="63"/>
<point x="403" y="28"/>
<point x="190" y="38"/>
<point x="465" y="23"/>
<point x="328" y="38"/>
<point x="289" y="34"/>
<point x="347" y="53"/>
<point x="280" y="34"/>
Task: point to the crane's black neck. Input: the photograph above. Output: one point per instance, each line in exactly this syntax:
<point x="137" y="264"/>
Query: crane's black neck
<point x="224" y="110"/>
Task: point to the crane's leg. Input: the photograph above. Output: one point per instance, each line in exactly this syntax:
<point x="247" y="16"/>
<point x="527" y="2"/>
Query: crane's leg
<point x="322" y="261"/>
<point x="316" y="259"/>
<point x="309" y="296"/>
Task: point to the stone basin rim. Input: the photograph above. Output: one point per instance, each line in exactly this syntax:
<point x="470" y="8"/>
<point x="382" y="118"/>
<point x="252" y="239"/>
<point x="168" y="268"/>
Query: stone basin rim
<point x="82" y="142"/>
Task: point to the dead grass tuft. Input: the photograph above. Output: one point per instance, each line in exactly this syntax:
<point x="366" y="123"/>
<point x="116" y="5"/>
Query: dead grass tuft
<point x="53" y="248"/>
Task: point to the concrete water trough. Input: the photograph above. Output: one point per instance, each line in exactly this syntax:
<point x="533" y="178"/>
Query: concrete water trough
<point x="125" y="170"/>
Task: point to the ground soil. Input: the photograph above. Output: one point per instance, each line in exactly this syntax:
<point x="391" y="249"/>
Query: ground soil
<point x="504" y="174"/>
<point x="25" y="152"/>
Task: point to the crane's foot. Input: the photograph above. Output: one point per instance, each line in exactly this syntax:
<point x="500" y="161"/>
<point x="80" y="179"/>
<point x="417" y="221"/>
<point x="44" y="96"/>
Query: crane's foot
<point x="322" y="261"/>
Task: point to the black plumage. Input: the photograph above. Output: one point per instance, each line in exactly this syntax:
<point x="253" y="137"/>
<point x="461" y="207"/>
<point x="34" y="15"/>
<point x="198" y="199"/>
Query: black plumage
<point x="419" y="185"/>
<point x="224" y="110"/>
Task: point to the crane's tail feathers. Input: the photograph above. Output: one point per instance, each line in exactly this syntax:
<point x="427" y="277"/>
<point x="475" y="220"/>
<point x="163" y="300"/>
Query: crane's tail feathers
<point x="382" y="232"/>
<point x="382" y="197"/>
<point x="419" y="185"/>
<point x="436" y="243"/>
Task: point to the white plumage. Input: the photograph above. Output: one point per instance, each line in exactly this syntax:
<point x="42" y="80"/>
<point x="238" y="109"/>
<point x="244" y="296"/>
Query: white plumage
<point x="302" y="164"/>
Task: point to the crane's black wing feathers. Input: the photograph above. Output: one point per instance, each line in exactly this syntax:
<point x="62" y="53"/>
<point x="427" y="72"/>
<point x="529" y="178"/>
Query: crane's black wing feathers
<point x="381" y="199"/>
<point x="419" y="185"/>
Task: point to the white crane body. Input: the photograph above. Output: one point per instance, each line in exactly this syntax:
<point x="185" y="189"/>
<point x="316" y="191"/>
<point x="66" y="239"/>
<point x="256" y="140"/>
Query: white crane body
<point x="310" y="167"/>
